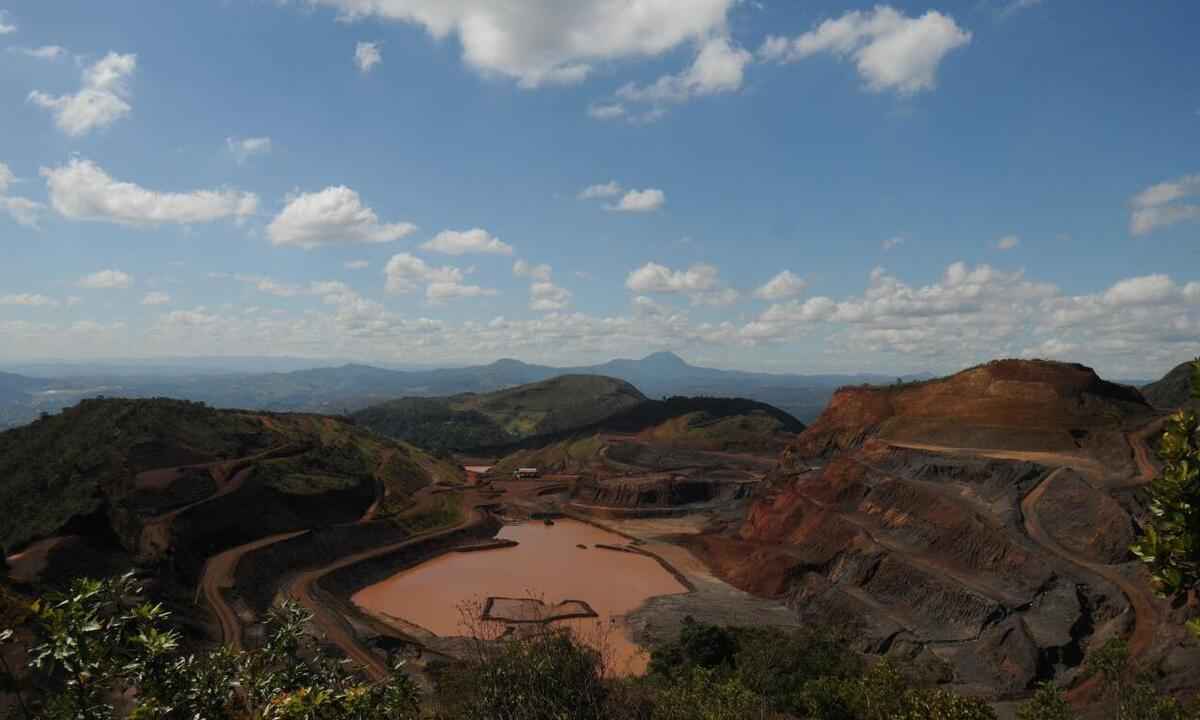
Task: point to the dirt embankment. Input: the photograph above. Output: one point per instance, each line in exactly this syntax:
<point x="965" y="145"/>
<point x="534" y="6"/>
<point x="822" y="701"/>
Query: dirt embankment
<point x="1005" y="563"/>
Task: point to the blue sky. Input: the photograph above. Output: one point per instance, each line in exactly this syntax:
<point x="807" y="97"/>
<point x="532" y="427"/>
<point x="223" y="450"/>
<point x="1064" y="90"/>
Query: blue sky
<point x="783" y="186"/>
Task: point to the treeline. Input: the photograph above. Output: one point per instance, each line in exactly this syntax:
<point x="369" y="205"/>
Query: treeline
<point x="99" y="651"/>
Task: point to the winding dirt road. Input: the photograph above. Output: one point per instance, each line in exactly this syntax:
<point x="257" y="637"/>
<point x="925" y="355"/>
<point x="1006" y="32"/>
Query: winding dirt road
<point x="1138" y="594"/>
<point x="302" y="588"/>
<point x="218" y="575"/>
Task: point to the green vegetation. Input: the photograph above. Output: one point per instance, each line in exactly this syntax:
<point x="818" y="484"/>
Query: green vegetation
<point x="471" y="421"/>
<point x="440" y="511"/>
<point x="1170" y="545"/>
<point x="77" y="471"/>
<point x="1174" y="390"/>
<point x="72" y="464"/>
<point x="99" y="651"/>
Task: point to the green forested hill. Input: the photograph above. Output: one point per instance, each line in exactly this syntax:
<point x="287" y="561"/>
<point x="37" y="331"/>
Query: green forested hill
<point x="475" y="421"/>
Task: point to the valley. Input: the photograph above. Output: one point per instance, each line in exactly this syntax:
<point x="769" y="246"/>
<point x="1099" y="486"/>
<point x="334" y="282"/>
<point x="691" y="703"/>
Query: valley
<point x="975" y="527"/>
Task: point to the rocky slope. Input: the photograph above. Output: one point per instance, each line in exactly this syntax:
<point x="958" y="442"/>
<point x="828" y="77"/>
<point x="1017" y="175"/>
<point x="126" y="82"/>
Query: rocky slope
<point x="980" y="520"/>
<point x="150" y="481"/>
<point x="1174" y="390"/>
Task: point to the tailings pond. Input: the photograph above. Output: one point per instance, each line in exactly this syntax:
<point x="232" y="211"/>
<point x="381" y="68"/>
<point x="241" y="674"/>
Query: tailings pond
<point x="547" y="564"/>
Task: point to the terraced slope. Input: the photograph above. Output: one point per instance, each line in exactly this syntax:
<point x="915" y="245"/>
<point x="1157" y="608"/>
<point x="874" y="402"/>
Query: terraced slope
<point x="158" y="478"/>
<point x="982" y="520"/>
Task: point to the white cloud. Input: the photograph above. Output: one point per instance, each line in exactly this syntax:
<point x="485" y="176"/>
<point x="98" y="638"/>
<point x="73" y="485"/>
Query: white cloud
<point x="405" y="273"/>
<point x="781" y="287"/>
<point x="546" y="296"/>
<point x="367" y="55"/>
<point x="477" y="241"/>
<point x="892" y="243"/>
<point x="81" y="190"/>
<point x="333" y="216"/>
<point x="1157" y="206"/>
<point x="700" y="283"/>
<point x="106" y="280"/>
<point x="647" y="200"/>
<point x="891" y="51"/>
<point x="28" y="299"/>
<point x="1145" y="290"/>
<point x="245" y="148"/>
<point x="1016" y="6"/>
<point x="45" y="52"/>
<point x="612" y="188"/>
<point x="719" y="67"/>
<point x="545" y="42"/>
<point x="1008" y="242"/>
<point x="100" y="102"/>
<point x="270" y="286"/>
<point x="605" y="111"/>
<point x="156" y="298"/>
<point x="5" y="27"/>
<point x="22" y="210"/>
<point x="521" y="268"/>
<point x="356" y="264"/>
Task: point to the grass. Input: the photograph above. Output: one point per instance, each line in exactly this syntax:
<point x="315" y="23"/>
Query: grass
<point x="442" y="511"/>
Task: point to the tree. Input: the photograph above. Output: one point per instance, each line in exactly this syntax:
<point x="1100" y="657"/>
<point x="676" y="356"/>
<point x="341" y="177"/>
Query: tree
<point x="1047" y="703"/>
<point x="1170" y="544"/>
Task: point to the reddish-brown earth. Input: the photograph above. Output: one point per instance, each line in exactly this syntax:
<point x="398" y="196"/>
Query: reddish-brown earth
<point x="983" y="519"/>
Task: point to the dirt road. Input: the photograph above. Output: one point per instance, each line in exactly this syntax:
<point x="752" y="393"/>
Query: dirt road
<point x="218" y="574"/>
<point x="1145" y="613"/>
<point x="1141" y="599"/>
<point x="302" y="588"/>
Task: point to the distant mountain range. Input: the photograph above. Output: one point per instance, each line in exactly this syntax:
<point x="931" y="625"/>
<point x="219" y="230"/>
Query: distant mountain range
<point x="351" y="387"/>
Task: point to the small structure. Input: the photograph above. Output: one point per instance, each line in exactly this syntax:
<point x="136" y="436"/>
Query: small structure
<point x="525" y="473"/>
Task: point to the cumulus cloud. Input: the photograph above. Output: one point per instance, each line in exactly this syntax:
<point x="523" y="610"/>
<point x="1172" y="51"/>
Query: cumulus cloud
<point x="367" y="55"/>
<point x="521" y="268"/>
<point x="475" y="241"/>
<point x="245" y="148"/>
<point x="6" y="27"/>
<point x="81" y="190"/>
<point x="106" y="280"/>
<point x="101" y="101"/>
<point x="356" y="264"/>
<point x="28" y="300"/>
<point x="333" y="216"/>
<point x="405" y="273"/>
<point x="700" y="283"/>
<point x="781" y="287"/>
<point x="892" y="243"/>
<point x="1159" y="206"/>
<point x="890" y="50"/>
<point x="1008" y="242"/>
<point x="544" y="295"/>
<point x="640" y="201"/>
<point x="156" y="298"/>
<point x="22" y="210"/>
<point x="612" y="188"/>
<point x="546" y="42"/>
<point x="45" y="52"/>
<point x="719" y="67"/>
<point x="270" y="286"/>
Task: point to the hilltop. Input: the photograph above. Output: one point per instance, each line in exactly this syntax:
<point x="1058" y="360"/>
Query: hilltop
<point x="981" y="521"/>
<point x="477" y="421"/>
<point x="1173" y="390"/>
<point x="143" y="478"/>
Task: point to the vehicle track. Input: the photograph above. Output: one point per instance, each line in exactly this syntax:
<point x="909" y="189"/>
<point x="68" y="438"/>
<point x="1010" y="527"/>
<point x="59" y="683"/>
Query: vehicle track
<point x="302" y="588"/>
<point x="1139" y="596"/>
<point x="218" y="574"/>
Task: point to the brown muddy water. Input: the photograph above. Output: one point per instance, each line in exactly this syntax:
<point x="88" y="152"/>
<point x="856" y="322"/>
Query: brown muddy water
<point x="548" y="565"/>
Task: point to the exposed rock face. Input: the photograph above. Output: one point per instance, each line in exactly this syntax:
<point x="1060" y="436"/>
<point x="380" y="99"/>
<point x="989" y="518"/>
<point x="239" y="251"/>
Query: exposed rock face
<point x="971" y="517"/>
<point x="1009" y="404"/>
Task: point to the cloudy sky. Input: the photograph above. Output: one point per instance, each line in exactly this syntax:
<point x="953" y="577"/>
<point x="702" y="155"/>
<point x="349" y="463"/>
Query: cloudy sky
<point x="774" y="185"/>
